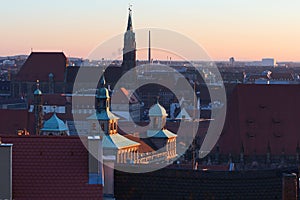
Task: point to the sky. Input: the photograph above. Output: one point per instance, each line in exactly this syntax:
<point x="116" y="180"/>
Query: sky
<point x="245" y="30"/>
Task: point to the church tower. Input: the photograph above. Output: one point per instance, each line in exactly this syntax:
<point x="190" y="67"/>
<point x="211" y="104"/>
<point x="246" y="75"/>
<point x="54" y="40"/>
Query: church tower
<point x="105" y="124"/>
<point x="129" y="50"/>
<point x="38" y="109"/>
<point x="108" y="121"/>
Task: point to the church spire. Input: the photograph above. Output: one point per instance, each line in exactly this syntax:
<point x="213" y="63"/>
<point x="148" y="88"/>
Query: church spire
<point x="129" y="24"/>
<point x="129" y="50"/>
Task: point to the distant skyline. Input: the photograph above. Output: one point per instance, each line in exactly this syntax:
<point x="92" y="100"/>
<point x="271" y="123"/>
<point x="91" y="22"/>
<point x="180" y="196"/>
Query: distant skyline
<point x="245" y="30"/>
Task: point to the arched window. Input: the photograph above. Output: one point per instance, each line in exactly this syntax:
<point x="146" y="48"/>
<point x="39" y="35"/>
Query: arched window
<point x="112" y="126"/>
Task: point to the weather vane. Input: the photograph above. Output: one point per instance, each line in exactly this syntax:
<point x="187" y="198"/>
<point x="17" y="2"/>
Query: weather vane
<point x="129" y="7"/>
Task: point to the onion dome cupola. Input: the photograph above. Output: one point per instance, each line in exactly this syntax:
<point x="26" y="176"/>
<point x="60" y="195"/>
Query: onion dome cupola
<point x="37" y="91"/>
<point x="157" y="115"/>
<point x="158" y="111"/>
<point x="54" y="126"/>
<point x="102" y="97"/>
<point x="161" y="137"/>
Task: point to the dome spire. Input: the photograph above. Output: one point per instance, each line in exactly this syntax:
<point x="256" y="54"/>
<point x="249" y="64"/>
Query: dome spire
<point x="37" y="91"/>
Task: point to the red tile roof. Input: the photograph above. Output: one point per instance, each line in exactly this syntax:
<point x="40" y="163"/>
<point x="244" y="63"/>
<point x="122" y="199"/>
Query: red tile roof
<point x="12" y="120"/>
<point x="50" y="168"/>
<point x="39" y="65"/>
<point x="262" y="114"/>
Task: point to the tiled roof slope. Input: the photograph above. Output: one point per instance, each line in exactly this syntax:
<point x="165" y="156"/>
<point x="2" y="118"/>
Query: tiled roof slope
<point x="262" y="115"/>
<point x="50" y="168"/>
<point x="12" y="120"/>
<point x="39" y="65"/>
<point x="189" y="184"/>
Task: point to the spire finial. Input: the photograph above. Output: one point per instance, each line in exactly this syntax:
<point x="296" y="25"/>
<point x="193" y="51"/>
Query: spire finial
<point x="129" y="7"/>
<point x="157" y="99"/>
<point x="37" y="84"/>
<point x="129" y="24"/>
<point x="54" y="109"/>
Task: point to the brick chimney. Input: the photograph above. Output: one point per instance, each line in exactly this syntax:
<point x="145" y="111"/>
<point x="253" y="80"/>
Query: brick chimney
<point x="96" y="175"/>
<point x="5" y="171"/>
<point x="289" y="187"/>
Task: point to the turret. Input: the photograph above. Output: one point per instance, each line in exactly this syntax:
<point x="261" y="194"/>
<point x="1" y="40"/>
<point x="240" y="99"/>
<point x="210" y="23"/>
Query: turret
<point x="38" y="108"/>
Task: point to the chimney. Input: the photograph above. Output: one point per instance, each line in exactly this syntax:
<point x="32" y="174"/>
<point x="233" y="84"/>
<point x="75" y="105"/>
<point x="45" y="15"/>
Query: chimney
<point x="95" y="160"/>
<point x="289" y="186"/>
<point x="101" y="168"/>
<point x="149" y="50"/>
<point x="5" y="171"/>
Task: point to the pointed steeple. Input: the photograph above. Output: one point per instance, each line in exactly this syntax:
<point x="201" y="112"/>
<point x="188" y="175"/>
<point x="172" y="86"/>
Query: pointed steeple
<point x="129" y="23"/>
<point x="129" y="50"/>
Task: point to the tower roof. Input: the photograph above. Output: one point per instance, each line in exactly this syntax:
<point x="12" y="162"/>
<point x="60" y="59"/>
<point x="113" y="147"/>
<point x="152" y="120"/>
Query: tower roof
<point x="163" y="133"/>
<point x="104" y="115"/>
<point x="37" y="91"/>
<point x="102" y="92"/>
<point x="54" y="124"/>
<point x="117" y="141"/>
<point x="129" y="24"/>
<point x="157" y="110"/>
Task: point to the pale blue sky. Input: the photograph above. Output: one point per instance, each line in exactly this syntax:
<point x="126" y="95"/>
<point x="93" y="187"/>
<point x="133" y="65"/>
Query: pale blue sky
<point x="244" y="29"/>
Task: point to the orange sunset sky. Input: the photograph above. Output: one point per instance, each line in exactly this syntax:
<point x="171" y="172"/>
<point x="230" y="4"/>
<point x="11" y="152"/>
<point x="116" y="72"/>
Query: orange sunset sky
<point x="246" y="30"/>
